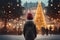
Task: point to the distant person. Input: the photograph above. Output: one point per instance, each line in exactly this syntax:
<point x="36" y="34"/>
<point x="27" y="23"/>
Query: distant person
<point x="42" y="30"/>
<point x="46" y="31"/>
<point x="29" y="30"/>
<point x="50" y="30"/>
<point x="19" y="31"/>
<point x="55" y="30"/>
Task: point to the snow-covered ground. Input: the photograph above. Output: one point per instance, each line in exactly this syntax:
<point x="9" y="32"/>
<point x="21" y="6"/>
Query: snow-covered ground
<point x="21" y="37"/>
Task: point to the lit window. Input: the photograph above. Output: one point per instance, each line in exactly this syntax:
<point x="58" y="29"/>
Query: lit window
<point x="51" y="18"/>
<point x="55" y="8"/>
<point x="4" y="11"/>
<point x="58" y="5"/>
<point x="51" y="4"/>
<point x="20" y="24"/>
<point x="44" y="11"/>
<point x="9" y="11"/>
<point x="17" y="4"/>
<point x="58" y="11"/>
<point x="9" y="6"/>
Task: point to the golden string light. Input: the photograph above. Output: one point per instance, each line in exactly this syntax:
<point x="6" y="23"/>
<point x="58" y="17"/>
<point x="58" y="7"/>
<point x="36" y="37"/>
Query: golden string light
<point x="39" y="17"/>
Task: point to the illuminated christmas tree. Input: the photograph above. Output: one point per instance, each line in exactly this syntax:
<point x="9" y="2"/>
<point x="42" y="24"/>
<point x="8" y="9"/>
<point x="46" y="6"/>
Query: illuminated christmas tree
<point x="39" y="17"/>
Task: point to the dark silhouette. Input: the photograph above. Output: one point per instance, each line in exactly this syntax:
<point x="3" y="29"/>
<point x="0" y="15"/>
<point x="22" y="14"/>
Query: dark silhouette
<point x="3" y="31"/>
<point x="29" y="28"/>
<point x="42" y="30"/>
<point x="50" y="30"/>
<point x="46" y="31"/>
<point x="55" y="30"/>
<point x="19" y="31"/>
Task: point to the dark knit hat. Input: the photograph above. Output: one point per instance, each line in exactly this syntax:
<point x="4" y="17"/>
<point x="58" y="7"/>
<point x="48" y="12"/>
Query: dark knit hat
<point x="29" y="16"/>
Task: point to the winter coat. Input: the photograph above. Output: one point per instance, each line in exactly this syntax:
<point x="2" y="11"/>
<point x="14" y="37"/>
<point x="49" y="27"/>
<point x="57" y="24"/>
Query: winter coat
<point x="29" y="24"/>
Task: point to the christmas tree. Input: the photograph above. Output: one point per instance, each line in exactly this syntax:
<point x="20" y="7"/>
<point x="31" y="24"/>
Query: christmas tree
<point x="39" y="17"/>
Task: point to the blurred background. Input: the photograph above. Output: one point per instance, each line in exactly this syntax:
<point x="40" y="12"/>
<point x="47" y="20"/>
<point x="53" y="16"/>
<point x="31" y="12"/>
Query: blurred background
<point x="13" y="16"/>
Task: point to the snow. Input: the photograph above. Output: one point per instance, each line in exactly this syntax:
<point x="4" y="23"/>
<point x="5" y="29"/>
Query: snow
<point x="21" y="37"/>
